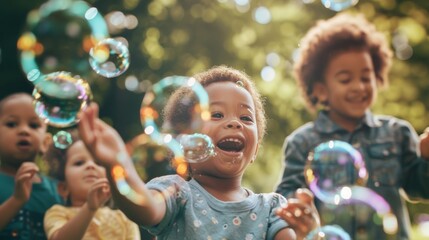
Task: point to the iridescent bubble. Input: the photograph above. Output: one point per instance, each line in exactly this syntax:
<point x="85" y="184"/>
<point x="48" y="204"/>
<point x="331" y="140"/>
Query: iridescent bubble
<point x="109" y="58"/>
<point x="328" y="232"/>
<point x="336" y="174"/>
<point x="197" y="147"/>
<point x="339" y="5"/>
<point x="150" y="158"/>
<point x="62" y="139"/>
<point x="332" y="165"/>
<point x="58" y="37"/>
<point x="186" y="115"/>
<point x="59" y="97"/>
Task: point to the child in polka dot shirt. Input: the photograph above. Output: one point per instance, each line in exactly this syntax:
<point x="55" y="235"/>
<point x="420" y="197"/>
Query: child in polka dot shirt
<point x="212" y="204"/>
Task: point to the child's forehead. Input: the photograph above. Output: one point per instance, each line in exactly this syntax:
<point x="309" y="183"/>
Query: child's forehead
<point x="18" y="100"/>
<point x="229" y="92"/>
<point x="18" y="106"/>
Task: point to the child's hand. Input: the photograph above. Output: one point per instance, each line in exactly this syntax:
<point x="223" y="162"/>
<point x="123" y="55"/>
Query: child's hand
<point x="23" y="181"/>
<point x="300" y="213"/>
<point x="102" y="140"/>
<point x="98" y="194"/>
<point x="424" y="144"/>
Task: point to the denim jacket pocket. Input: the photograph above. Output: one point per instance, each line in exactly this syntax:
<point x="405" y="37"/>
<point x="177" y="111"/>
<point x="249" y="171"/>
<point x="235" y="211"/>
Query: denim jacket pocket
<point x="385" y="165"/>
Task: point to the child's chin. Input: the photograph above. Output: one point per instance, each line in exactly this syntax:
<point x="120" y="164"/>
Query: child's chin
<point x="229" y="155"/>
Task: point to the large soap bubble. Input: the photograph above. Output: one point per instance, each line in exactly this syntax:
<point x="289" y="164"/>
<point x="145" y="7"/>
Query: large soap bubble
<point x="59" y="97"/>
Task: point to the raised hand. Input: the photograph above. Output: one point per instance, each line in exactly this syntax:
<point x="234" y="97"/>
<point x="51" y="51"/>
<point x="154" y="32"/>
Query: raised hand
<point x="300" y="213"/>
<point x="424" y="144"/>
<point x="24" y="181"/>
<point x="98" y="194"/>
<point x="102" y="140"/>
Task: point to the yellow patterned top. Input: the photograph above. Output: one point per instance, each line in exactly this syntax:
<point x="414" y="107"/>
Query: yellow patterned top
<point x="106" y="224"/>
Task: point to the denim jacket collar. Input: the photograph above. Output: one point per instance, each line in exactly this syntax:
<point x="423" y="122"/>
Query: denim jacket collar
<point x="324" y="124"/>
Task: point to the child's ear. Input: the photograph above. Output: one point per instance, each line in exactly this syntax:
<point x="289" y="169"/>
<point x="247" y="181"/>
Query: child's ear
<point x="320" y="92"/>
<point x="47" y="140"/>
<point x="63" y="190"/>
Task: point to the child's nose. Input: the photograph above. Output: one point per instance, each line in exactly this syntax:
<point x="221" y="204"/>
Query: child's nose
<point x="234" y="124"/>
<point x="23" y="129"/>
<point x="359" y="85"/>
<point x="91" y="165"/>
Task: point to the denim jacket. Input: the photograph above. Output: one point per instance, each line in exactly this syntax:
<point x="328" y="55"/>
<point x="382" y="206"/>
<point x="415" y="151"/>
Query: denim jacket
<point x="391" y="152"/>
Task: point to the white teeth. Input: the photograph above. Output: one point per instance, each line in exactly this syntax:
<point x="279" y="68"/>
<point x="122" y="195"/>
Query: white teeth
<point x="231" y="140"/>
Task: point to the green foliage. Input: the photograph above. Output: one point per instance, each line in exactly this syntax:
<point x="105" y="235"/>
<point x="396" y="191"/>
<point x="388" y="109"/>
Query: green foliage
<point x="184" y="37"/>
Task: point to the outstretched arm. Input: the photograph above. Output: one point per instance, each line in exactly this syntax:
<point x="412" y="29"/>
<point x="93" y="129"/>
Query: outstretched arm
<point x="106" y="146"/>
<point x="77" y="226"/>
<point x="23" y="186"/>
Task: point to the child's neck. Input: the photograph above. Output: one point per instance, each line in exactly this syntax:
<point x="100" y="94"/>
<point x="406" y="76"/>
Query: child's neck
<point x="223" y="189"/>
<point x="9" y="170"/>
<point x="348" y="123"/>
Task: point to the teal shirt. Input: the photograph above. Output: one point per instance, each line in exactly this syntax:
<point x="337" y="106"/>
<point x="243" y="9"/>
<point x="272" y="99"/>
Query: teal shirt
<point x="28" y="223"/>
<point x="193" y="213"/>
<point x="391" y="153"/>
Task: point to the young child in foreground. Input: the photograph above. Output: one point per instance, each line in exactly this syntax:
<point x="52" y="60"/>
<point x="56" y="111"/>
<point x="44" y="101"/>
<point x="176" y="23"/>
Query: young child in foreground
<point x="343" y="62"/>
<point x="25" y="194"/>
<point x="212" y="204"/>
<point x="84" y="185"/>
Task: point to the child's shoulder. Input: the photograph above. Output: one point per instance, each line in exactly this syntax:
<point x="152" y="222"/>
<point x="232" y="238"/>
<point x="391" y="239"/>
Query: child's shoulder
<point x="303" y="131"/>
<point x="391" y="121"/>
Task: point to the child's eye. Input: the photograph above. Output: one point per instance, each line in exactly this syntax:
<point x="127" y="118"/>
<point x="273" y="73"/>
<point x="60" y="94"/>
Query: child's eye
<point x="79" y="162"/>
<point x="11" y="124"/>
<point x="247" y="118"/>
<point x="217" y="115"/>
<point x="344" y="81"/>
<point x="35" y="125"/>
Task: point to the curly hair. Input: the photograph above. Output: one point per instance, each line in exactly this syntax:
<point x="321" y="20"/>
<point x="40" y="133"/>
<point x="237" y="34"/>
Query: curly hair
<point x="328" y="38"/>
<point x="177" y="113"/>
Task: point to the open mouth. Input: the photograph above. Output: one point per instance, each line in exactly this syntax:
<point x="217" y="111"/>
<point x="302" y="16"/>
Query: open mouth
<point x="23" y="143"/>
<point x="231" y="144"/>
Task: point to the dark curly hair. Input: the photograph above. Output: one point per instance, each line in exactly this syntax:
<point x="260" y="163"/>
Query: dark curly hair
<point x="328" y="38"/>
<point x="177" y="112"/>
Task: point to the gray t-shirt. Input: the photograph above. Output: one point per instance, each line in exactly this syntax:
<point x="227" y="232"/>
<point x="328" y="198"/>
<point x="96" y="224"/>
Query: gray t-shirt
<point x="193" y="213"/>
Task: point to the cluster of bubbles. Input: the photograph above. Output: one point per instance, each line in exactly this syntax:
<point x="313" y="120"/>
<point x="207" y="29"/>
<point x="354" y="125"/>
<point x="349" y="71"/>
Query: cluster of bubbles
<point x="335" y="172"/>
<point x="62" y="42"/>
<point x="181" y="132"/>
<point x="67" y="40"/>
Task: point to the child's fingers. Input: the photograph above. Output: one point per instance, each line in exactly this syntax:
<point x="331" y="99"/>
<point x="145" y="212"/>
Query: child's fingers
<point x="304" y="195"/>
<point x="92" y="114"/>
<point x="28" y="167"/>
<point x="297" y="207"/>
<point x="24" y="177"/>
<point x="85" y="126"/>
<point x="297" y="219"/>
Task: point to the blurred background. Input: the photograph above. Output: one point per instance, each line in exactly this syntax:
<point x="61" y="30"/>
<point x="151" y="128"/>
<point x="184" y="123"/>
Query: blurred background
<point x="172" y="37"/>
